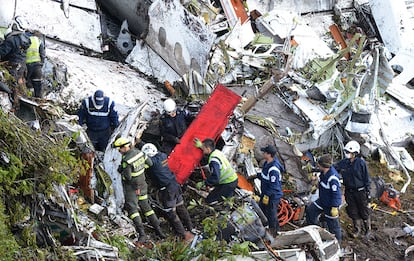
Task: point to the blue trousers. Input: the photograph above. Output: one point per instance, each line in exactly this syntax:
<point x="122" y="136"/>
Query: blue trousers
<point x="270" y="211"/>
<point x="315" y="209"/>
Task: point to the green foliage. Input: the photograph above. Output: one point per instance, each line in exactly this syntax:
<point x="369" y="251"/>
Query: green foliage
<point x="119" y="242"/>
<point x="7" y="241"/>
<point x="36" y="162"/>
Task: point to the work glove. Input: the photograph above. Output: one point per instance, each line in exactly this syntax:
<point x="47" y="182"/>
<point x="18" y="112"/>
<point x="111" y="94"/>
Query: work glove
<point x="120" y="169"/>
<point x="334" y="212"/>
<point x="198" y="143"/>
<point x="200" y="184"/>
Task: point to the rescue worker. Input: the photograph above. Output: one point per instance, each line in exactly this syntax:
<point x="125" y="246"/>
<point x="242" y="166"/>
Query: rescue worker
<point x="35" y="57"/>
<point x="101" y="118"/>
<point x="271" y="187"/>
<point x="169" y="191"/>
<point x="173" y="124"/>
<point x="357" y="183"/>
<point x="330" y="197"/>
<point x="132" y="170"/>
<point x="222" y="175"/>
<point x="13" y="50"/>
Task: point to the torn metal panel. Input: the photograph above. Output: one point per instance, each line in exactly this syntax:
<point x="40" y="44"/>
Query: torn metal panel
<point x="131" y="127"/>
<point x="124" y="41"/>
<point x="82" y="28"/>
<point x="184" y="49"/>
<point x="134" y="11"/>
<point x="324" y="242"/>
<point x="234" y="11"/>
<point x="301" y="7"/>
<point x="403" y="63"/>
<point x="393" y="23"/>
<point x="150" y="63"/>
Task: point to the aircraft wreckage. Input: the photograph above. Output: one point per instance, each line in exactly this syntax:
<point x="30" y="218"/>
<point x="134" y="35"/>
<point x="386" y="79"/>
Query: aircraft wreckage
<point x="290" y="88"/>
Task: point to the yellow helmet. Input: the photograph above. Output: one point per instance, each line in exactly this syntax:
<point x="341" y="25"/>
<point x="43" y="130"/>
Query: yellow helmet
<point x="120" y="142"/>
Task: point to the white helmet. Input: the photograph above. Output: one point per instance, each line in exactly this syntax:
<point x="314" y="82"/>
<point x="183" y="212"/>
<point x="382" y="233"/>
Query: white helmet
<point x="169" y="105"/>
<point x="353" y="147"/>
<point x="149" y="149"/>
<point x="20" y="23"/>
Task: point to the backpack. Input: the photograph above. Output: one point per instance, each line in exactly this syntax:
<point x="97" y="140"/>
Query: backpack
<point x="25" y="41"/>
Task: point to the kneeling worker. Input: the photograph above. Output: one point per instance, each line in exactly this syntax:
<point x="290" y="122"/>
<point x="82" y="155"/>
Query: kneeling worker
<point x="223" y="177"/>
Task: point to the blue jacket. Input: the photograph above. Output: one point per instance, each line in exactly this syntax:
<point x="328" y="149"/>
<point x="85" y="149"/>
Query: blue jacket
<point x="98" y="120"/>
<point x="330" y="189"/>
<point x="355" y="174"/>
<point x="159" y="171"/>
<point x="271" y="179"/>
<point x="173" y="128"/>
<point x="11" y="48"/>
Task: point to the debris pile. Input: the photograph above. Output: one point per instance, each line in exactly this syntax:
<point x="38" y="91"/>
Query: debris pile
<point x="251" y="74"/>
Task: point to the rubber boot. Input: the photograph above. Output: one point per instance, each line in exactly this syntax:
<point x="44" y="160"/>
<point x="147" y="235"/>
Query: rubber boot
<point x="139" y="227"/>
<point x="357" y="228"/>
<point x="182" y="212"/>
<point x="273" y="231"/>
<point x="156" y="224"/>
<point x="367" y="227"/>
<point x="37" y="86"/>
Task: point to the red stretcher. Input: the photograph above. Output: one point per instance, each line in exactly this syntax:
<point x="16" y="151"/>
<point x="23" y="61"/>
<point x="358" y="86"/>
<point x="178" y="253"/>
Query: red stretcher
<point x="209" y="123"/>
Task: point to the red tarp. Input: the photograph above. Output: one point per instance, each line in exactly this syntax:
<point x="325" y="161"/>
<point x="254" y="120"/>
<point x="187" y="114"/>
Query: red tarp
<point x="209" y="123"/>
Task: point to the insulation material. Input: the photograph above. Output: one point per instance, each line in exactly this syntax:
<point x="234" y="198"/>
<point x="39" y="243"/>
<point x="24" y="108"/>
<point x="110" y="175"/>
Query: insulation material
<point x="209" y="123"/>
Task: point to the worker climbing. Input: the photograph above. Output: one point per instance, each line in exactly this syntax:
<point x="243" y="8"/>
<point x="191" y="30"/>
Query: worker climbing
<point x="169" y="191"/>
<point x="135" y="188"/>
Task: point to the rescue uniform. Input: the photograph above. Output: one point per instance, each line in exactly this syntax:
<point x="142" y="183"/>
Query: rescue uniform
<point x="35" y="58"/>
<point x="271" y="192"/>
<point x="135" y="187"/>
<point x="13" y="49"/>
<point x="100" y="122"/>
<point x="172" y="129"/>
<point x="357" y="188"/>
<point x="170" y="194"/>
<point x="329" y="197"/>
<point x="223" y="177"/>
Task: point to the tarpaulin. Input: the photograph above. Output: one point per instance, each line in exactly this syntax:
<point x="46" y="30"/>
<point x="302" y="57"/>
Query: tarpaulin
<point x="209" y="123"/>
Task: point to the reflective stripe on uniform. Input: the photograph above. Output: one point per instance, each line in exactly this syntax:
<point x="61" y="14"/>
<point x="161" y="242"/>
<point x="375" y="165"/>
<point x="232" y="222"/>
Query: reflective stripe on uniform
<point x="98" y="113"/>
<point x="134" y="215"/>
<point x="149" y="213"/>
<point x="227" y="173"/>
<point x="326" y="185"/>
<point x="32" y="53"/>
<point x="136" y="174"/>
<point x="143" y="197"/>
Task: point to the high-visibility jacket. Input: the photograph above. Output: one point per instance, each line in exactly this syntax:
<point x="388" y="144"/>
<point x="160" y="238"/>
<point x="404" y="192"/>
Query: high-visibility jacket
<point x="227" y="173"/>
<point x="33" y="53"/>
<point x="133" y="164"/>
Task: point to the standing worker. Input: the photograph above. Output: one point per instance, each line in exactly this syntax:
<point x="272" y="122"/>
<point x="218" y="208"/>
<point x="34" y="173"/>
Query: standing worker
<point x="173" y="124"/>
<point x="13" y="50"/>
<point x="135" y="187"/>
<point x="357" y="184"/>
<point x="35" y="57"/>
<point x="330" y="197"/>
<point x="223" y="177"/>
<point x="101" y="118"/>
<point x="170" y="192"/>
<point x="271" y="187"/>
